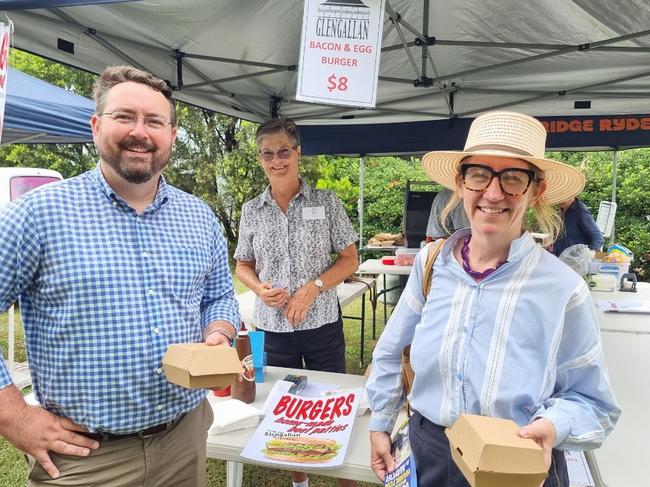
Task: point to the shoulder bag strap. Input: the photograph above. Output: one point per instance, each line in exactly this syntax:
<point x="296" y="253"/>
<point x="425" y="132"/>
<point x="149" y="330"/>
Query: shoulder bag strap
<point x="434" y="250"/>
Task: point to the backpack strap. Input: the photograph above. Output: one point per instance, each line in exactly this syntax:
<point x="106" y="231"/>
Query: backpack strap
<point x="434" y="250"/>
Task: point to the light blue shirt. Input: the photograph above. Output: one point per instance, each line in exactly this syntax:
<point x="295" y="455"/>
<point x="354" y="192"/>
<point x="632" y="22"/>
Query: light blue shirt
<point x="523" y="343"/>
<point x="104" y="291"/>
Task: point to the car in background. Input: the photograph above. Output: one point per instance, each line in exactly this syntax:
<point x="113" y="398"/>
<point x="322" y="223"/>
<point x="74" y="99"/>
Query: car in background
<point x="15" y="181"/>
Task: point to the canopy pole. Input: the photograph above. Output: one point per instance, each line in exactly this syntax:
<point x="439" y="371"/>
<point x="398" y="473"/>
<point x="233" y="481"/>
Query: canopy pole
<point x="362" y="180"/>
<point x="179" y="69"/>
<point x="612" y="237"/>
<point x="425" y="33"/>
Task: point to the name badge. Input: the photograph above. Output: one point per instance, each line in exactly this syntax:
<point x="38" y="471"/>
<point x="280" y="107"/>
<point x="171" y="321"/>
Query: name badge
<point x="313" y="213"/>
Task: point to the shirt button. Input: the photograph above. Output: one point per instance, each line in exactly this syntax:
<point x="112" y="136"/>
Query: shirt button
<point x="114" y="203"/>
<point x="159" y="407"/>
<point x="156" y="330"/>
<point x="150" y="292"/>
<point x="159" y="370"/>
<point x="459" y="376"/>
<point x="145" y="254"/>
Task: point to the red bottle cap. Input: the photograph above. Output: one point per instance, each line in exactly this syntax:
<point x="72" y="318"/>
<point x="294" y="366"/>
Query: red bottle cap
<point x="223" y="392"/>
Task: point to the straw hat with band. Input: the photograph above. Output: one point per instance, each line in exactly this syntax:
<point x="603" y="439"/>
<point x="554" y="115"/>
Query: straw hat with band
<point x="512" y="135"/>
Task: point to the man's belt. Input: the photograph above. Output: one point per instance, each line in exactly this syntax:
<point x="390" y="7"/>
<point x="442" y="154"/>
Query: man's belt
<point x="154" y="430"/>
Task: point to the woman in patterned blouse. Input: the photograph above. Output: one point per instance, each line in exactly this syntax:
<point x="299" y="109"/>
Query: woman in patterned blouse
<point x="287" y="237"/>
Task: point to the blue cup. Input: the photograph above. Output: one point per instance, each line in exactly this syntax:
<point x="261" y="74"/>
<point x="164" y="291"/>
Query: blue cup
<point x="259" y="356"/>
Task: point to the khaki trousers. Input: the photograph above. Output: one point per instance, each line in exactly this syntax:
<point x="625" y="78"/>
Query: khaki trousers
<point x="175" y="457"/>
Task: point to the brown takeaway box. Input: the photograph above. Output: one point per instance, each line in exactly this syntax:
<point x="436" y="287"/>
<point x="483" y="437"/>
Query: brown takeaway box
<point x="490" y="454"/>
<point x="197" y="365"/>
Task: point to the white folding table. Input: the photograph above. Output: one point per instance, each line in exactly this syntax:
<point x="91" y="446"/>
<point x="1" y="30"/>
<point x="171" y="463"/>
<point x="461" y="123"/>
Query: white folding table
<point x="374" y="267"/>
<point x="356" y="466"/>
<point x="622" y="460"/>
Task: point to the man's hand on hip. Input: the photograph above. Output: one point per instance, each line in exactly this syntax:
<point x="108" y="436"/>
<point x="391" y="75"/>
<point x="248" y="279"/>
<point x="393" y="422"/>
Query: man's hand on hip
<point x="36" y="431"/>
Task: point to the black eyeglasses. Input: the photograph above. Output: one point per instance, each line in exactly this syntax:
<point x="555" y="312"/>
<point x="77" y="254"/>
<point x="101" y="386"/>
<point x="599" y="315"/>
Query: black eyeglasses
<point x="513" y="181"/>
<point x="284" y="153"/>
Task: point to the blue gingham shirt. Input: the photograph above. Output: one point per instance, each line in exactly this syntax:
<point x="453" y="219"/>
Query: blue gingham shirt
<point x="522" y="343"/>
<point x="104" y="291"/>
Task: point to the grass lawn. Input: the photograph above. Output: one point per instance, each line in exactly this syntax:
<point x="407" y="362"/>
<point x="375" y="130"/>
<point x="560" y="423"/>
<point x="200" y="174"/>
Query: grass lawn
<point x="12" y="465"/>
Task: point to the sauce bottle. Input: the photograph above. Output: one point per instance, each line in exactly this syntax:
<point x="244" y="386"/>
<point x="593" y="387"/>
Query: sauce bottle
<point x="244" y="390"/>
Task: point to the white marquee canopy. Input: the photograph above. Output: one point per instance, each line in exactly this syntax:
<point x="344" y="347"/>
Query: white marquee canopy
<point x="440" y="59"/>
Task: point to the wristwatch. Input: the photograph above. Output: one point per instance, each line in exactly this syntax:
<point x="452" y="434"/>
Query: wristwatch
<point x="319" y="284"/>
<point x="223" y="332"/>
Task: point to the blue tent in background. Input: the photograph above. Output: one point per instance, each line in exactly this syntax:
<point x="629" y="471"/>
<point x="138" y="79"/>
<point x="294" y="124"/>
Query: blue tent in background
<point x="39" y="112"/>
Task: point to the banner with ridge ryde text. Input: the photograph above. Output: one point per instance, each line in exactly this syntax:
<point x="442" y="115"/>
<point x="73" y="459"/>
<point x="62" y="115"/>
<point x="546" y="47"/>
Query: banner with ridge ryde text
<point x="339" y="53"/>
<point x="5" y="42"/>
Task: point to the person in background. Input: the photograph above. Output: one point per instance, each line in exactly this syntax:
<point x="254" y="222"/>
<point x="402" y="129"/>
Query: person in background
<point x="579" y="227"/>
<point x="110" y="268"/>
<point x="506" y="330"/>
<point x="287" y="236"/>
<point x="442" y="225"/>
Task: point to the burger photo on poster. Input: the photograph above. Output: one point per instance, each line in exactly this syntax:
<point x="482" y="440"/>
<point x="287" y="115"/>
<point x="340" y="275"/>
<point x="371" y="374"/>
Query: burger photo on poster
<point x="301" y="449"/>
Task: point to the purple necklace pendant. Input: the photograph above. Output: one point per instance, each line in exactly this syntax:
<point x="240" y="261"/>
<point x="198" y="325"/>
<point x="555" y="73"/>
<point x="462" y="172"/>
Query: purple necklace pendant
<point x="464" y="253"/>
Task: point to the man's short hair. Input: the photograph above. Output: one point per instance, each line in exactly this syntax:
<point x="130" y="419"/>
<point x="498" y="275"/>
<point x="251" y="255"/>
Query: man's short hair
<point x="278" y="125"/>
<point x="114" y="75"/>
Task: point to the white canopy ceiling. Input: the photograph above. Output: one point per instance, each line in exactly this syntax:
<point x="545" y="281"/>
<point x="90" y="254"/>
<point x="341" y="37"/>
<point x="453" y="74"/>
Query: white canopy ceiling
<point x="239" y="56"/>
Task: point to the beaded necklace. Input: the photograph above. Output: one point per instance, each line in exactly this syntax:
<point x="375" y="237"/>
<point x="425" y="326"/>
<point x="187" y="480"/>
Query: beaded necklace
<point x="464" y="253"/>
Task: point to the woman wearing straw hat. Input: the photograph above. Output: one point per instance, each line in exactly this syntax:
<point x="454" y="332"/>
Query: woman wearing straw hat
<point x="506" y="329"/>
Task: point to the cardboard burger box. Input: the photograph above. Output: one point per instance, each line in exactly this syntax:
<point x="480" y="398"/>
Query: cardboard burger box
<point x="197" y="365"/>
<point x="490" y="454"/>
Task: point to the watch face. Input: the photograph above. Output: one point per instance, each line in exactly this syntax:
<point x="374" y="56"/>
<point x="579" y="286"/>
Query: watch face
<point x="319" y="284"/>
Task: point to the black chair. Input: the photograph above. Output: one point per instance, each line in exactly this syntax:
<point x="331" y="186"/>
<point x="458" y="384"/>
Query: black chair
<point x="417" y="206"/>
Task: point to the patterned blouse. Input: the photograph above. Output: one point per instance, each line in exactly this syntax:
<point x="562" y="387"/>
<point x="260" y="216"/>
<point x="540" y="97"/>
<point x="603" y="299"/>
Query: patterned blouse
<point x="293" y="249"/>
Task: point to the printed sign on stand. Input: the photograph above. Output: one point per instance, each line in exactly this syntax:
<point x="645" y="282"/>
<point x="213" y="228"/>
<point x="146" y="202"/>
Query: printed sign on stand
<point x="339" y="54"/>
<point x="5" y="42"/>
<point x="305" y="431"/>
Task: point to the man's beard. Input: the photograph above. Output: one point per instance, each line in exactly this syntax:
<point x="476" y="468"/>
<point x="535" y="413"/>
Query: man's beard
<point x="135" y="172"/>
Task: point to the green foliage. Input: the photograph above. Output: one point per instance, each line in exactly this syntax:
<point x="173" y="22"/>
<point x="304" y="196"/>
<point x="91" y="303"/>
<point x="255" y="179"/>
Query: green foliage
<point x="385" y="185"/>
<point x="632" y="196"/>
<point x="339" y="179"/>
<point x="77" y="81"/>
<point x="206" y="145"/>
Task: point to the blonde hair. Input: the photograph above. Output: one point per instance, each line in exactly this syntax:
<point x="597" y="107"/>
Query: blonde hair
<point x="547" y="219"/>
<point x="548" y="222"/>
<point x="453" y="200"/>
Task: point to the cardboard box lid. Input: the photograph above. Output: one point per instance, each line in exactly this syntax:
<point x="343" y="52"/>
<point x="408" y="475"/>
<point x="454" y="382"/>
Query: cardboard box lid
<point x="492" y="445"/>
<point x="199" y="359"/>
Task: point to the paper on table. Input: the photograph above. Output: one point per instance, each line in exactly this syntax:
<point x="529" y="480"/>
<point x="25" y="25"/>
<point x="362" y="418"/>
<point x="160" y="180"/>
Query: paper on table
<point x="624" y="306"/>
<point x="578" y="469"/>
<point x="233" y="414"/>
<point x="363" y="398"/>
<point x="315" y="389"/>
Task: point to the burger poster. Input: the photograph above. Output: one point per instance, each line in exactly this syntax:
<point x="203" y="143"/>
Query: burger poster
<point x="305" y="431"/>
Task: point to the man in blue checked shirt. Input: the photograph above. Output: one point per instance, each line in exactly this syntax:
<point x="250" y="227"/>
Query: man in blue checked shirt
<point x="111" y="267"/>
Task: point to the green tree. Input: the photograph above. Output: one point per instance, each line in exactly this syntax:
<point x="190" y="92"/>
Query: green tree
<point x="385" y="186"/>
<point x="633" y="196"/>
